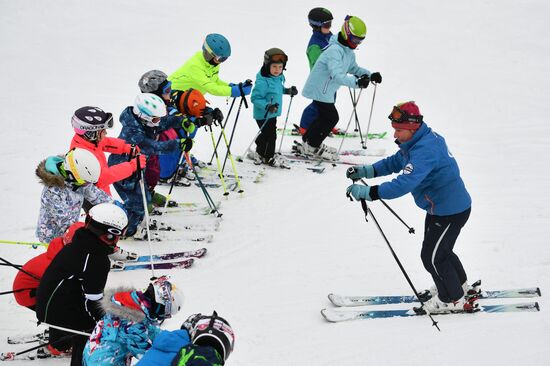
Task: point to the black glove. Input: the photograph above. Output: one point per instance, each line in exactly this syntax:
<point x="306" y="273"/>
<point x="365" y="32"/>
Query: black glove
<point x="363" y="81"/>
<point x="205" y="120"/>
<point x="217" y="115"/>
<point x="186" y="144"/>
<point x="376" y="78"/>
<point x="272" y="108"/>
<point x="292" y="91"/>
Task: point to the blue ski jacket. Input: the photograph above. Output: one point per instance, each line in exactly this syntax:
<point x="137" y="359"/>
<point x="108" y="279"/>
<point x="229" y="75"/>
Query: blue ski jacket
<point x="332" y="70"/>
<point x="166" y="346"/>
<point x="268" y="89"/>
<point x="429" y="172"/>
<point x="135" y="132"/>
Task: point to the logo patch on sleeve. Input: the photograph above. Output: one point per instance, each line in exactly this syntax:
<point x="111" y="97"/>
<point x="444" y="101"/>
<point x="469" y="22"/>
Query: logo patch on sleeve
<point x="408" y="169"/>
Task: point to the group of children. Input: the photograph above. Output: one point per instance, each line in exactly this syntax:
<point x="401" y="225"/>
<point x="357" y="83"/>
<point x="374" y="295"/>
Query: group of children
<point x="65" y="286"/>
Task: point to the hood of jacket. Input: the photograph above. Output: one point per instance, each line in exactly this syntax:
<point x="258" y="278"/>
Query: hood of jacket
<point x="48" y="178"/>
<point x="123" y="309"/>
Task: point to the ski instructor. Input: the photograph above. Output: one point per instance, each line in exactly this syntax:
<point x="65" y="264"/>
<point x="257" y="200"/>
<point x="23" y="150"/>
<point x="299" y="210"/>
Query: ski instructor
<point x="431" y="174"/>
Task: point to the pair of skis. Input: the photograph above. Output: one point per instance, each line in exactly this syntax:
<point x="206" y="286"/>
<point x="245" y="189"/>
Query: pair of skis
<point x="344" y="303"/>
<point x="160" y="261"/>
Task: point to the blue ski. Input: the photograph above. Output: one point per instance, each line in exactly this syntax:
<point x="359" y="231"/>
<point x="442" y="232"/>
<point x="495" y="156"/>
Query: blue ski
<point x="340" y="315"/>
<point x="131" y="266"/>
<point x="340" y="300"/>
<point x="171" y="256"/>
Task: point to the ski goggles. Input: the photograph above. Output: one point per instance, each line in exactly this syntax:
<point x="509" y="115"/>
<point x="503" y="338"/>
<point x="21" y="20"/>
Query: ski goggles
<point x="327" y="24"/>
<point x="217" y="59"/>
<point x="399" y="116"/>
<point x="166" y="87"/>
<point x="72" y="174"/>
<point x="87" y="126"/>
<point x="112" y="236"/>
<point x="278" y="58"/>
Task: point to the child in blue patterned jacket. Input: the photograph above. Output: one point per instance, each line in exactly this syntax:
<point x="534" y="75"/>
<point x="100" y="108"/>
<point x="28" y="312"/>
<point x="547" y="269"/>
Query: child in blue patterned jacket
<point x="130" y="323"/>
<point x="267" y="97"/>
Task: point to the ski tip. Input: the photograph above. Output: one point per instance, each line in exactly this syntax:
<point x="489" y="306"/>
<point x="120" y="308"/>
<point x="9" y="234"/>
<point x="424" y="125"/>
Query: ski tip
<point x="325" y="316"/>
<point x="538" y="291"/>
<point x="537" y="306"/>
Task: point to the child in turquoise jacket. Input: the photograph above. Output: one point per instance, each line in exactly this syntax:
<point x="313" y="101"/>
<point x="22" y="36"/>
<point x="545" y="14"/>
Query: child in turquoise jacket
<point x="267" y="97"/>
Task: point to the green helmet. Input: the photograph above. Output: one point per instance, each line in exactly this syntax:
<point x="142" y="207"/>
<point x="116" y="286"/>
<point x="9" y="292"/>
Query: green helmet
<point x="353" y="31"/>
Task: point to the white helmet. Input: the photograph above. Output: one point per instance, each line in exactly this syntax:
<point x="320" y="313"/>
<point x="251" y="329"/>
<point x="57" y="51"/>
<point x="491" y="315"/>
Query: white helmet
<point x="150" y="108"/>
<point x="107" y="221"/>
<point x="164" y="293"/>
<point x="82" y="166"/>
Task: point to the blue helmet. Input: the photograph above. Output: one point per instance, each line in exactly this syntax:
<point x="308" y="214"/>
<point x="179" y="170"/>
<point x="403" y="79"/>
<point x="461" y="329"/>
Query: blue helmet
<point x="216" y="46"/>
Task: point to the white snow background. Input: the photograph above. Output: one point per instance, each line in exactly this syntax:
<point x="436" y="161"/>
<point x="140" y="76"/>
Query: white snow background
<point x="477" y="69"/>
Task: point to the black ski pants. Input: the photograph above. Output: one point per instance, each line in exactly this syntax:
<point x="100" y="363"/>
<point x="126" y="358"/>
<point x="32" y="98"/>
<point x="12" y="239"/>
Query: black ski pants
<point x="440" y="234"/>
<point x="265" y="142"/>
<point x="322" y="125"/>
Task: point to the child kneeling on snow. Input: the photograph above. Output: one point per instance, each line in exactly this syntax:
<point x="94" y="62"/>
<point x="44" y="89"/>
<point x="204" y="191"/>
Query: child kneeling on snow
<point x="203" y="340"/>
<point x="130" y="323"/>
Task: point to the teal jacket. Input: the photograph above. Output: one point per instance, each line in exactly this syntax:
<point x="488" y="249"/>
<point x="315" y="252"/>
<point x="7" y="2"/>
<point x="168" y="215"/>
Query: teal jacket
<point x="335" y="67"/>
<point x="267" y="90"/>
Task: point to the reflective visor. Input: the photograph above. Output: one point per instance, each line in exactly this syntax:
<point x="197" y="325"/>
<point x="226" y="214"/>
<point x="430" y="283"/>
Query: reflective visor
<point x="279" y="58"/>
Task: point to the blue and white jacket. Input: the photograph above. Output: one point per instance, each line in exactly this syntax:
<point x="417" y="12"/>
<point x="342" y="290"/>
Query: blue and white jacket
<point x="124" y="332"/>
<point x="135" y="132"/>
<point x="332" y="70"/>
<point x="429" y="172"/>
<point x="165" y="347"/>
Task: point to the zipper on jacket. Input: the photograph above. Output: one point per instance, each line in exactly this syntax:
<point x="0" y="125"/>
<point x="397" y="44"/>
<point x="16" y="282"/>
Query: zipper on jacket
<point x="326" y="85"/>
<point x="432" y="204"/>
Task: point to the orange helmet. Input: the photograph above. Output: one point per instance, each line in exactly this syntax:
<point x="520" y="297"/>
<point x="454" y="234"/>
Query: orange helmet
<point x="190" y="102"/>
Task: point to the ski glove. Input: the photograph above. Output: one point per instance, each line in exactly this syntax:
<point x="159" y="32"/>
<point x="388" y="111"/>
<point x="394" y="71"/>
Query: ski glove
<point x="241" y="89"/>
<point x="292" y="91"/>
<point x="132" y="150"/>
<point x="363" y="81"/>
<point x="272" y="108"/>
<point x="142" y="162"/>
<point x="363" y="192"/>
<point x="376" y="78"/>
<point x="186" y="144"/>
<point x="205" y="120"/>
<point x="360" y="171"/>
<point x="215" y="115"/>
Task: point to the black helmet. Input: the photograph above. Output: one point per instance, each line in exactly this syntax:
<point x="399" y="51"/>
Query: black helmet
<point x="319" y="16"/>
<point x="275" y="55"/>
<point x="213" y="331"/>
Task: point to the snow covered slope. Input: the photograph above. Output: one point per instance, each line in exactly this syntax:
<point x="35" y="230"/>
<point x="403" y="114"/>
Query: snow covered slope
<point x="477" y="69"/>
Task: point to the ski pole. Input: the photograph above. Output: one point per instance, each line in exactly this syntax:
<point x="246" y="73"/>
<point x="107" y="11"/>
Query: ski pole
<point x="354" y="104"/>
<point x="220" y="172"/>
<point x="232" y="162"/>
<point x="141" y="179"/>
<point x="174" y="179"/>
<point x="19" y="268"/>
<point x="14" y="291"/>
<point x="10" y="356"/>
<point x="411" y="229"/>
<point x="209" y="199"/>
<point x="243" y="100"/>
<point x="68" y="330"/>
<point x="371" y="108"/>
<point x="241" y="158"/>
<point x="222" y="125"/>
<point x="34" y="245"/>
<point x="368" y="211"/>
<point x="286" y="120"/>
<point x="357" y="124"/>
